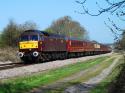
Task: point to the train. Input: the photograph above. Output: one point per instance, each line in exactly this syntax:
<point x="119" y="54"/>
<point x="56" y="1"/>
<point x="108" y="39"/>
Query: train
<point x="40" y="46"/>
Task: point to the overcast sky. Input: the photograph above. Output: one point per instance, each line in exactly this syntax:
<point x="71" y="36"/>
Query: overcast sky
<point x="44" y="12"/>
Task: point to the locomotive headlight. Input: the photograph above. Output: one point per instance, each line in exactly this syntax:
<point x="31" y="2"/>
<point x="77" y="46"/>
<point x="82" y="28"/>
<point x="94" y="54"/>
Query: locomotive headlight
<point x="35" y="54"/>
<point x="20" y="54"/>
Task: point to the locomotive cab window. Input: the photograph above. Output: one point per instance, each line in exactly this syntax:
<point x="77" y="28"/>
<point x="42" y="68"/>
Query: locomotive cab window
<point x="24" y="38"/>
<point x="34" y="37"/>
<point x="29" y="37"/>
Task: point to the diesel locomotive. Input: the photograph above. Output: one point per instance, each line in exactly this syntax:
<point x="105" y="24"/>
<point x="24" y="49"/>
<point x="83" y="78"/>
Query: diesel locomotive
<point x="38" y="46"/>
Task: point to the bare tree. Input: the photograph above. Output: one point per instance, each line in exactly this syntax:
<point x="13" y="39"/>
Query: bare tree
<point x="113" y="7"/>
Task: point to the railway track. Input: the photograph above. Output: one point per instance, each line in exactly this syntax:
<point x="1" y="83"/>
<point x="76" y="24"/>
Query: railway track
<point x="10" y="65"/>
<point x="5" y="66"/>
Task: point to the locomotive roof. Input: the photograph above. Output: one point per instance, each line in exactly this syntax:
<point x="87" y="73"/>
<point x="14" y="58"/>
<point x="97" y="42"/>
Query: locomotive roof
<point x="45" y="33"/>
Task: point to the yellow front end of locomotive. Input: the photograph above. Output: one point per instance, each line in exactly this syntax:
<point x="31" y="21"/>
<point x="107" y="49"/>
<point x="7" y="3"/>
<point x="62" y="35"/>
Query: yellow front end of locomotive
<point x="28" y="44"/>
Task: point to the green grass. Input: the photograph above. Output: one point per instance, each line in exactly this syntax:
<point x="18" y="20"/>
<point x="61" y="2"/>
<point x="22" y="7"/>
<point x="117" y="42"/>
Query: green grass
<point x="96" y="71"/>
<point x="23" y="84"/>
<point x="89" y="74"/>
<point x="103" y="86"/>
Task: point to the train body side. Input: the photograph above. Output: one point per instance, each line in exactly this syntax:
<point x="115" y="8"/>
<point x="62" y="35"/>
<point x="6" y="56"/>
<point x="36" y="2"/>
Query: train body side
<point x="35" y="44"/>
<point x="53" y="44"/>
<point x="75" y="46"/>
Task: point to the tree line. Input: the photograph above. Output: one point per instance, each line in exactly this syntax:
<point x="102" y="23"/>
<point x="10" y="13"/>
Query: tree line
<point x="62" y="26"/>
<point x="68" y="27"/>
<point x="120" y="44"/>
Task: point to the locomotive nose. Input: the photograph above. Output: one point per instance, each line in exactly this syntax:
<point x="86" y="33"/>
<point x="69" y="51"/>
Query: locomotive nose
<point x="35" y="54"/>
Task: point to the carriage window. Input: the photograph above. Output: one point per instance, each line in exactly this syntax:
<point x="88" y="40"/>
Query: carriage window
<point x="24" y="38"/>
<point x="34" y="37"/>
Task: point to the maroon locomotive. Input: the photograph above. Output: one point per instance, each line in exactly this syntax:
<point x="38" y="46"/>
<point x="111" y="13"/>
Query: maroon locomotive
<point x="39" y="46"/>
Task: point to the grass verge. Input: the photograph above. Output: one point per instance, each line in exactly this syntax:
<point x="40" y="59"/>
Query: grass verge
<point x="23" y="84"/>
<point x="92" y="72"/>
<point x="97" y="70"/>
<point x="103" y="86"/>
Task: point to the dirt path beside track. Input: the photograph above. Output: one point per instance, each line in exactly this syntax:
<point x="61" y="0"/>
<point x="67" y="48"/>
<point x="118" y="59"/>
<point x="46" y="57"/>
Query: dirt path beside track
<point x="86" y="86"/>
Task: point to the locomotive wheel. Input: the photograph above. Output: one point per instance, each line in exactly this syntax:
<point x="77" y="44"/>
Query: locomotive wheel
<point x="47" y="57"/>
<point x="64" y="56"/>
<point x="43" y="57"/>
<point x="38" y="59"/>
<point x="61" y="56"/>
<point x="53" y="56"/>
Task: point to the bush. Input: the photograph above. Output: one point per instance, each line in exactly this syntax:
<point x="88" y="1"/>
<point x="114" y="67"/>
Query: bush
<point x="9" y="54"/>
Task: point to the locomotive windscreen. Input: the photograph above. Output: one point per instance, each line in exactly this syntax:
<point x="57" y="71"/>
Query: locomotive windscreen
<point x="29" y="38"/>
